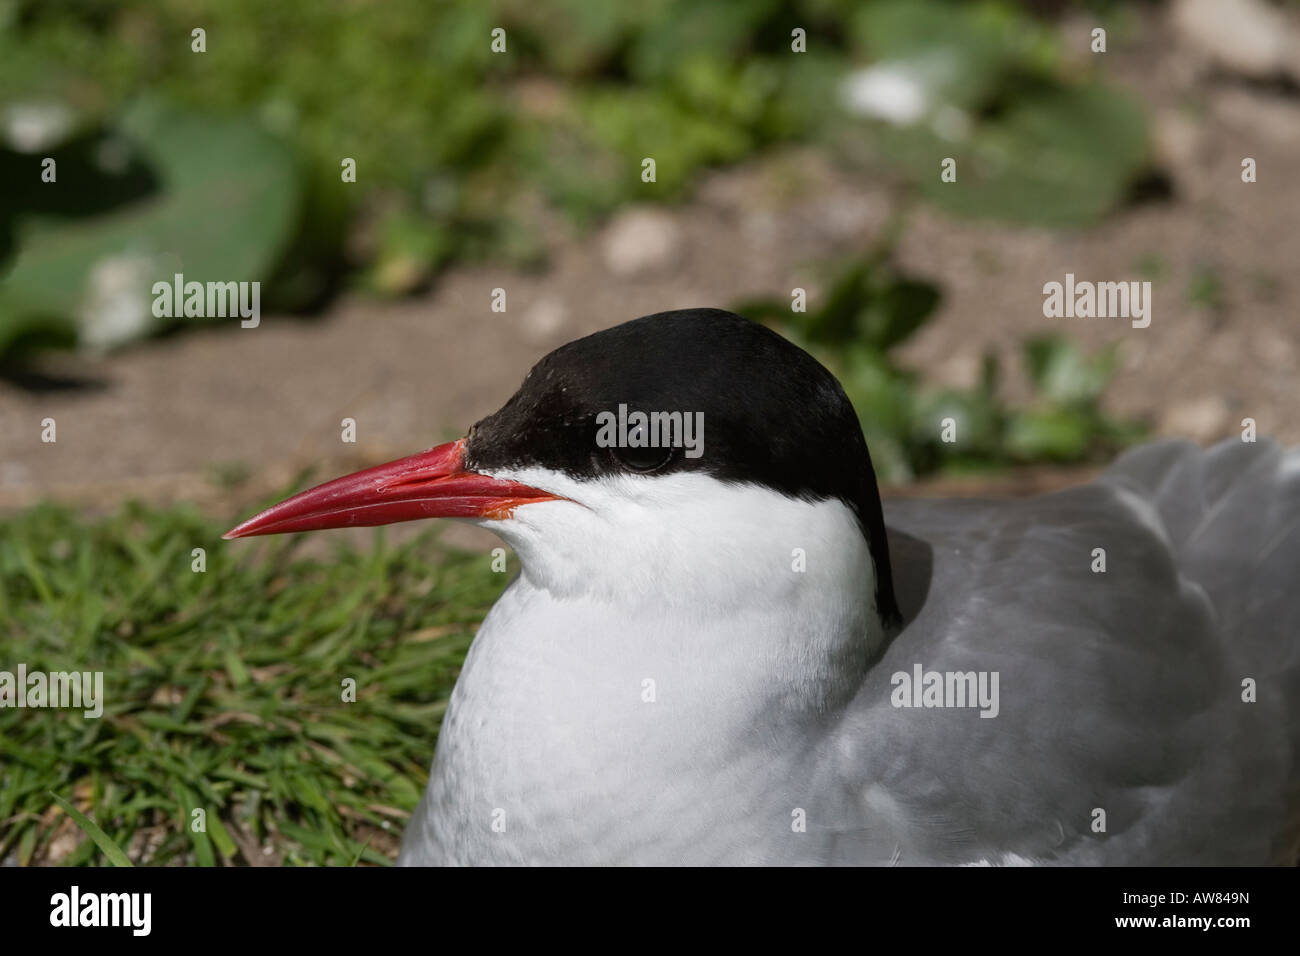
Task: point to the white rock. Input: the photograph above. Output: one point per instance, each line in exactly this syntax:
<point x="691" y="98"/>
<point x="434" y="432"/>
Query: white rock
<point x="1245" y="36"/>
<point x="543" y="320"/>
<point x="641" y="242"/>
<point x="31" y="127"/>
<point x="894" y="92"/>
<point x="1200" y="419"/>
<point x="961" y="370"/>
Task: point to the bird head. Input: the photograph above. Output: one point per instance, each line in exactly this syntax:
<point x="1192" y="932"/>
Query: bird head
<point x="657" y="450"/>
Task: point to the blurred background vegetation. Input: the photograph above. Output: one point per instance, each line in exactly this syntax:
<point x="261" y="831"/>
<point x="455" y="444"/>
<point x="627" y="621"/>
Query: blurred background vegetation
<point x="227" y="163"/>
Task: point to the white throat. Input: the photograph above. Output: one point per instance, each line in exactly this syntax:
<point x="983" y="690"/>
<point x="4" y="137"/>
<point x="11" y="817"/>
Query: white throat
<point x="663" y="629"/>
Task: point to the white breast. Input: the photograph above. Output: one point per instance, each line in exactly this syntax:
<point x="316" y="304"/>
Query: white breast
<point x="654" y="686"/>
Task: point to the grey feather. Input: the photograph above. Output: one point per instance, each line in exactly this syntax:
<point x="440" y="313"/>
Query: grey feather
<point x="1120" y="691"/>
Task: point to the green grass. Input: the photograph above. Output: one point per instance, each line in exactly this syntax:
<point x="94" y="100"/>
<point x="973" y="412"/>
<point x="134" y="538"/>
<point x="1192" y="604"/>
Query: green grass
<point x="223" y="688"/>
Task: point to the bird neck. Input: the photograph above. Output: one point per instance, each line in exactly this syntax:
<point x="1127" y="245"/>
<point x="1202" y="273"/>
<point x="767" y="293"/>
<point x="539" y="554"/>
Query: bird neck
<point x="738" y="582"/>
<point x="567" y="694"/>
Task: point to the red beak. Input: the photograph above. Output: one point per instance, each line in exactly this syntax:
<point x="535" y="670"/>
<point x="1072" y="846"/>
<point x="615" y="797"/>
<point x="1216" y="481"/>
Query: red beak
<point x="432" y="484"/>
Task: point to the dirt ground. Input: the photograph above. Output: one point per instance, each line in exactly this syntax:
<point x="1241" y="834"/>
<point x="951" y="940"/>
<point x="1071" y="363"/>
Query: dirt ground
<point x="163" y="420"/>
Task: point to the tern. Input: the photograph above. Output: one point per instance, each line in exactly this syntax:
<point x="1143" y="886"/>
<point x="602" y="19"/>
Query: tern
<point x="738" y="656"/>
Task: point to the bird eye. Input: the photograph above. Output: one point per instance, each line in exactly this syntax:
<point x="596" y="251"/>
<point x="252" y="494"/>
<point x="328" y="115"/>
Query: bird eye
<point x="644" y="459"/>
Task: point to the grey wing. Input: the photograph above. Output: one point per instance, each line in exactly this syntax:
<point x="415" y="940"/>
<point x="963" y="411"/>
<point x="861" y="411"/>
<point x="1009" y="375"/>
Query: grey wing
<point x="1232" y="519"/>
<point x="1121" y="733"/>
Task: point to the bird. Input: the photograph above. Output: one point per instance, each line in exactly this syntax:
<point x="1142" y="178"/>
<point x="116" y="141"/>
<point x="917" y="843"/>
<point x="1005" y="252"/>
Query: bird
<point x="736" y="654"/>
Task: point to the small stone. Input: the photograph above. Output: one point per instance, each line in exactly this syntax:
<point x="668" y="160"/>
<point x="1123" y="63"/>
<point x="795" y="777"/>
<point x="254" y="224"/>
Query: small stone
<point x="1274" y="350"/>
<point x="961" y="370"/>
<point x="641" y="242"/>
<point x="1176" y="139"/>
<point x="1245" y="36"/>
<point x="543" y="320"/>
<point x="1200" y="419"/>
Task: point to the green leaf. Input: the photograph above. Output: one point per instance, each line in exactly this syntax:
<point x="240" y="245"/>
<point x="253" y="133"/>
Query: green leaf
<point x="899" y="309"/>
<point x="102" y="839"/>
<point x="1055" y="157"/>
<point x="869" y="305"/>
<point x="1062" y="374"/>
<point x="977" y="418"/>
<point x="221" y="837"/>
<point x="236" y="669"/>
<point x="968" y="50"/>
<point x="223" y="207"/>
<point x="1059" y="434"/>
